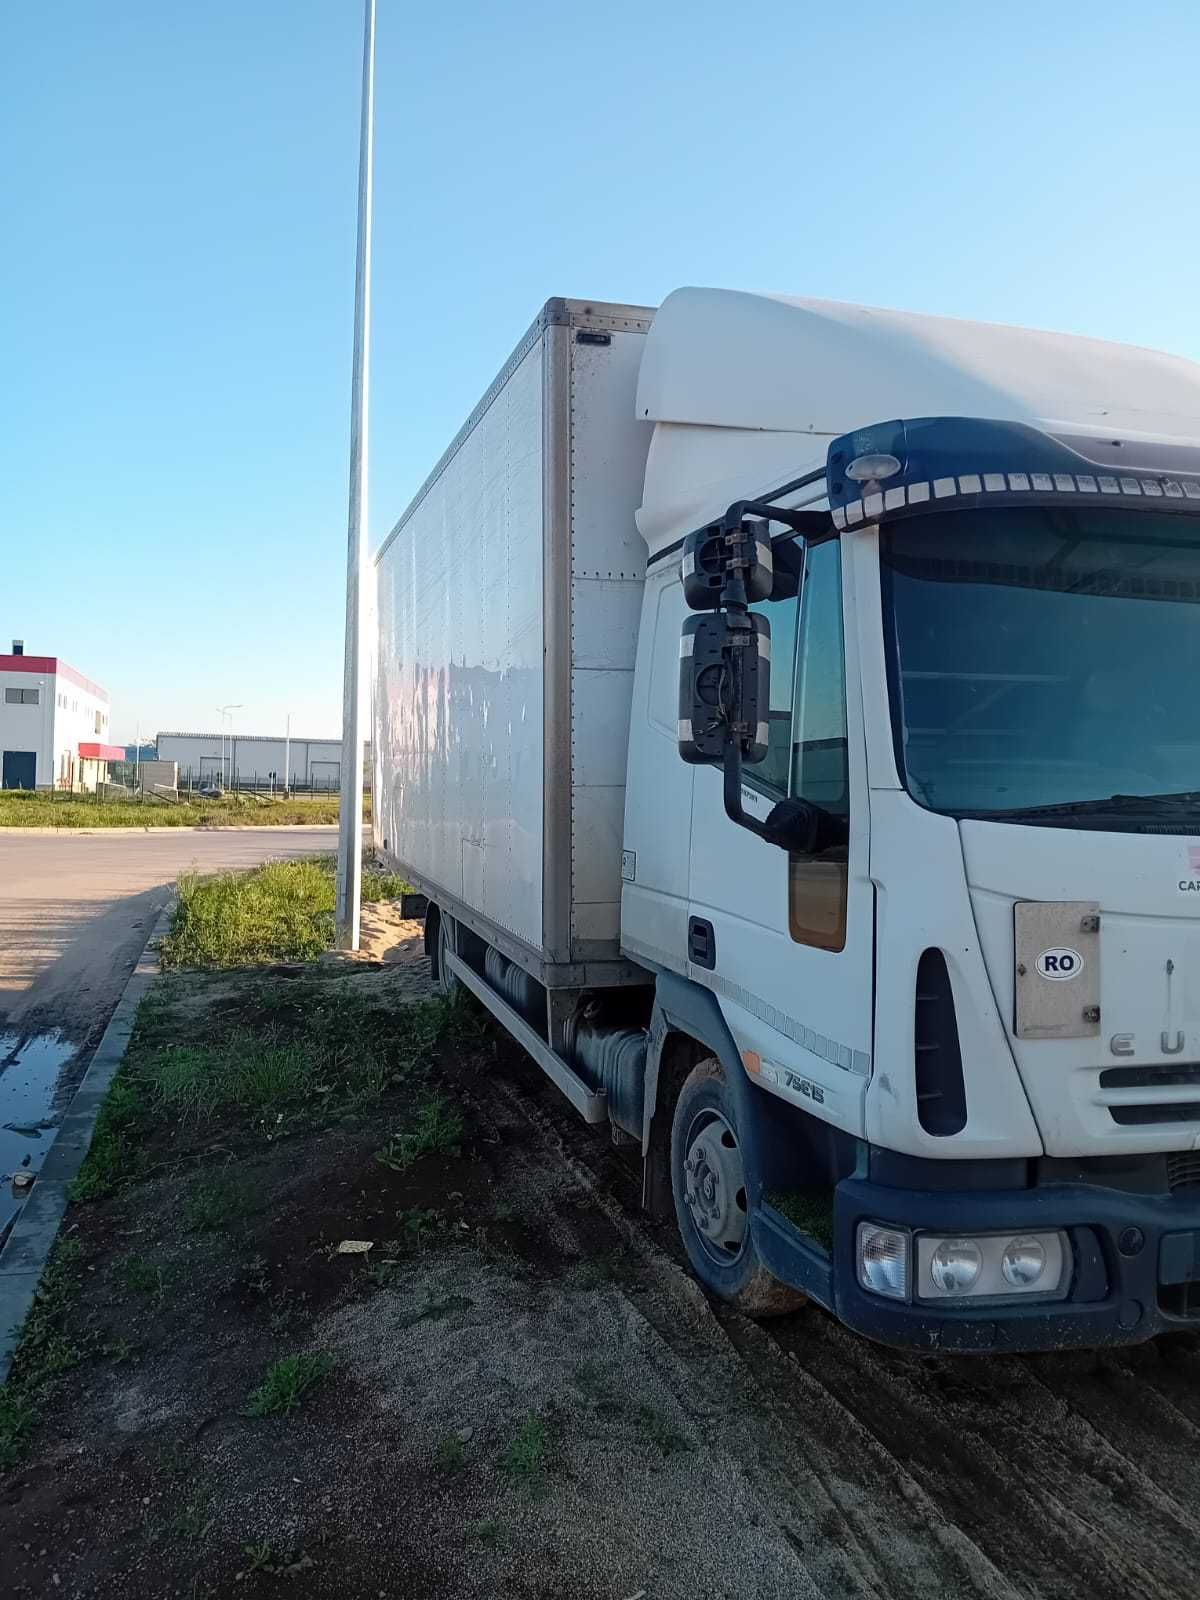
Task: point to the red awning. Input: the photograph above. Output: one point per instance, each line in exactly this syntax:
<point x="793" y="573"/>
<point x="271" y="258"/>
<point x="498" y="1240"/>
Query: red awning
<point x="102" y="752"/>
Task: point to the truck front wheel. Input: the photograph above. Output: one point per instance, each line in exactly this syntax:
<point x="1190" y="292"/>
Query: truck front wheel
<point x="708" y="1181"/>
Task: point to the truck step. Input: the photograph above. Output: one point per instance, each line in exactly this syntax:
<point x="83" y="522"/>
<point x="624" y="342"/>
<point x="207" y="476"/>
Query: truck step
<point x="591" y="1106"/>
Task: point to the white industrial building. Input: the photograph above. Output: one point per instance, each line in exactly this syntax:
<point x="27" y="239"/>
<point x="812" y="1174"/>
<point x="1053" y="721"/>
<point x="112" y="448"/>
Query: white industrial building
<point x="54" y="725"/>
<point x="260" y="760"/>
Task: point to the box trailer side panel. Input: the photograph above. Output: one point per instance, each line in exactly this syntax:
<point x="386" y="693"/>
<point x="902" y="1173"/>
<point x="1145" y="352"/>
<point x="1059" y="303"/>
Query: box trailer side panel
<point x="508" y="602"/>
<point x="460" y="672"/>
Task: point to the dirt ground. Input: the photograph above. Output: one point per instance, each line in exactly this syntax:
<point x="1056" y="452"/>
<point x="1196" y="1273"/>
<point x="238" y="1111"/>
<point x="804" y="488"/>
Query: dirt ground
<point x="530" y="1397"/>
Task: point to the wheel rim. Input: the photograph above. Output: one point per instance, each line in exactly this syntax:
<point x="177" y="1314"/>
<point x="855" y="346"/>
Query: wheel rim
<point x="446" y="979"/>
<point x="715" y="1186"/>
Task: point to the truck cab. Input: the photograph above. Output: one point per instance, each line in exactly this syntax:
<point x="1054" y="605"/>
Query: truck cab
<point x="936" y="938"/>
<point x="786" y="709"/>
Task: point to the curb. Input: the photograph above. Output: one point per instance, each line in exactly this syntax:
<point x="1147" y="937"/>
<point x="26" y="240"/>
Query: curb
<point x="100" y="833"/>
<point x="28" y="1246"/>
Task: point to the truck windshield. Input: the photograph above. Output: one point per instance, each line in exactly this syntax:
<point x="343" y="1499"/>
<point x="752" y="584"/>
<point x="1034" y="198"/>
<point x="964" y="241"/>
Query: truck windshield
<point x="1042" y="664"/>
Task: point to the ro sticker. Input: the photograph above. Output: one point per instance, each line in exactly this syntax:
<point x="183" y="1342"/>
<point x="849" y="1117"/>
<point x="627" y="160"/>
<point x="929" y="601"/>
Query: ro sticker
<point x="1059" y="965"/>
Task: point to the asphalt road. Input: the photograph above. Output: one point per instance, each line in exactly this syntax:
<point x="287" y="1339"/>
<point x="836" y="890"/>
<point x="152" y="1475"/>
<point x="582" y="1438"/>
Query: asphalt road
<point x="76" y="909"/>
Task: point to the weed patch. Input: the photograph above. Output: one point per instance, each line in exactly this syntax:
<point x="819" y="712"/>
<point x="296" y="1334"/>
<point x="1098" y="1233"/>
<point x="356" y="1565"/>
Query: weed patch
<point x="435" y="1310"/>
<point x="286" y="1382"/>
<point x="451" y="1456"/>
<point x="244" y="1072"/>
<point x="114" y="1156"/>
<point x="143" y="1277"/>
<point x="437" y="1129"/>
<point x="280" y="912"/>
<point x="659" y="1431"/>
<point x="192" y="1520"/>
<point x="525" y="1458"/>
<point x="219" y="1200"/>
<point x="46" y="1350"/>
<point x="380" y="885"/>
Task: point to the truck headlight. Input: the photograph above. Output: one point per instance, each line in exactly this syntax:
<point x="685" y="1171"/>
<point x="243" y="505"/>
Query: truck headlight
<point x="883" y="1260"/>
<point x="955" y="1265"/>
<point x="992" y="1266"/>
<point x="1023" y="1262"/>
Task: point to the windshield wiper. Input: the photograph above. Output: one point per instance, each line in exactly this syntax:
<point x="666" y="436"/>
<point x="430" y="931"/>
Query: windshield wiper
<point x="1116" y="805"/>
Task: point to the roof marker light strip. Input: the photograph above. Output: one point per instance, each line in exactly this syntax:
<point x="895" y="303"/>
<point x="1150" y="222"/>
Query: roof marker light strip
<point x="856" y="512"/>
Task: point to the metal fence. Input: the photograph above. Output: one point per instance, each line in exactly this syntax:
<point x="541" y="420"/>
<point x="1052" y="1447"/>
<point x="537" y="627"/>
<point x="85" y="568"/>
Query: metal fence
<point x="197" y="780"/>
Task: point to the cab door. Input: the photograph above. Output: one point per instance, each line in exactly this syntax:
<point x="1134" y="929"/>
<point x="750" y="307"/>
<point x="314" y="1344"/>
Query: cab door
<point x="786" y="941"/>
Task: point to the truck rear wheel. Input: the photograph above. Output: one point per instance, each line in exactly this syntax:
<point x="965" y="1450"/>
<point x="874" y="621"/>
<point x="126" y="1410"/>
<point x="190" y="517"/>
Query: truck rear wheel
<point x="447" y="984"/>
<point x="708" y="1182"/>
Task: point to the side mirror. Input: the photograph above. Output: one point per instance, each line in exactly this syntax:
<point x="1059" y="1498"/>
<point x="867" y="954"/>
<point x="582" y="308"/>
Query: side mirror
<point x="720" y="553"/>
<point x="724" y="687"/>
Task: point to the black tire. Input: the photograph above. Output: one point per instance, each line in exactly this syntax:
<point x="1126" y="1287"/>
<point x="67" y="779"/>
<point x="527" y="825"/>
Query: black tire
<point x="448" y="986"/>
<point x="704" y="1132"/>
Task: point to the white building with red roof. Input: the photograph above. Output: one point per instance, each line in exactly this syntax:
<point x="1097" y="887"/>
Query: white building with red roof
<point x="54" y="725"/>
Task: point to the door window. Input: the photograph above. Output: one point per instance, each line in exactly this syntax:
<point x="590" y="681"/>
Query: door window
<point x="818" y="885"/>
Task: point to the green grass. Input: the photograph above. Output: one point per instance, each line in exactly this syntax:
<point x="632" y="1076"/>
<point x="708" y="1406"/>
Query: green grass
<point x="525" y="1458"/>
<point x="451" y="1456"/>
<point x="286" y="1382"/>
<point x="244" y="1072"/>
<point x="217" y="1201"/>
<point x="348" y="1056"/>
<point x="114" y="1156"/>
<point x="296" y="1051"/>
<point x="143" y="1277"/>
<point x="45" y="1351"/>
<point x="380" y="885"/>
<point x="36" y="809"/>
<point x="436" y="1129"/>
<point x="280" y="912"/>
<point x="191" y="1521"/>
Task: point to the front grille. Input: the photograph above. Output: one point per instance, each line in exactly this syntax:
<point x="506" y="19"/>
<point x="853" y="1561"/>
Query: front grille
<point x="1183" y="1170"/>
<point x="1139" y="1116"/>
<point x="1150" y="1077"/>
<point x="1160" y="1077"/>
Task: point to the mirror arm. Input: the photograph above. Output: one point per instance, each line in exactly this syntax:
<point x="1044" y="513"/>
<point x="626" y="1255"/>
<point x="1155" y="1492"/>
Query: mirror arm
<point x="733" y="790"/>
<point x="810" y="522"/>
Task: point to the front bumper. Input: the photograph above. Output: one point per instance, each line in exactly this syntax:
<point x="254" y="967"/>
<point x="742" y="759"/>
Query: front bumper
<point x="1136" y="1269"/>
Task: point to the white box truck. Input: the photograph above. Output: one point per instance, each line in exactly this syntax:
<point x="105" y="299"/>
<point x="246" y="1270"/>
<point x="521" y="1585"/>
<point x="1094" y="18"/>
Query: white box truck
<point x="787" y="709"/>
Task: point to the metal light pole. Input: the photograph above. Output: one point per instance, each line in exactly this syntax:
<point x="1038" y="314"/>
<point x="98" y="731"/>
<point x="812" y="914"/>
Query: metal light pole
<point x="350" y="829"/>
<point x="287" y="756"/>
<point x="227" y="712"/>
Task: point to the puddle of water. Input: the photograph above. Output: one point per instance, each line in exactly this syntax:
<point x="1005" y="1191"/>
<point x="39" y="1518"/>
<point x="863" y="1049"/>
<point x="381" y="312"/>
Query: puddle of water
<point x="30" y="1072"/>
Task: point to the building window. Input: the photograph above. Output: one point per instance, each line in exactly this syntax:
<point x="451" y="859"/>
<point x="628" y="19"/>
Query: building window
<point x="22" y="697"/>
<point x="99" y="723"/>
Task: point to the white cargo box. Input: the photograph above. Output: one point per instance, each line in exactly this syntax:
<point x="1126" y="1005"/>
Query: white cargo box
<point x="508" y="604"/>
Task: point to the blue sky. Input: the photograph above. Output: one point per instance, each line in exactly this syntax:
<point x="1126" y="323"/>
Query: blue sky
<point x="176" y="283"/>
